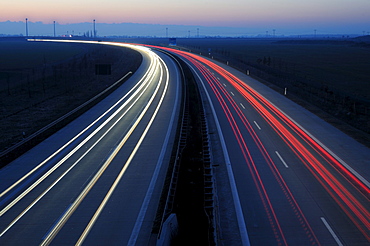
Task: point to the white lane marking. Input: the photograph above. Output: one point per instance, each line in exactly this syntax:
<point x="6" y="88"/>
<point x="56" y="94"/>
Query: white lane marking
<point x="259" y="128"/>
<point x="331" y="231"/>
<point x="234" y="191"/>
<point x="281" y="159"/>
<point x="224" y="84"/>
<point x="349" y="168"/>
<point x="242" y="105"/>
<point x="218" y="78"/>
<point x="232" y="93"/>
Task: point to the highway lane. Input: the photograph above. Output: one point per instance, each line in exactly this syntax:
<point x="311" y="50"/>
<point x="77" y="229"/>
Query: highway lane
<point x="99" y="179"/>
<point x="285" y="187"/>
<point x="291" y="188"/>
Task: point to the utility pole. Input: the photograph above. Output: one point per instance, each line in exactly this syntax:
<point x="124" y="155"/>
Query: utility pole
<point x="26" y="27"/>
<point x="54" y="29"/>
<point x="94" y="30"/>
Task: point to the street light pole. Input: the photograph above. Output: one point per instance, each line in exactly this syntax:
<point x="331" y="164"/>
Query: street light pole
<point x="94" y="30"/>
<point x="26" y="27"/>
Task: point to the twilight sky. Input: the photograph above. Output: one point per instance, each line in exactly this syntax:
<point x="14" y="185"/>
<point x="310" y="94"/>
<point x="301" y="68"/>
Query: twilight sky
<point x="329" y="16"/>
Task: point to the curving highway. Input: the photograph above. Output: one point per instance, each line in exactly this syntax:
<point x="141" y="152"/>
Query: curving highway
<point x="98" y="180"/>
<point x="282" y="175"/>
<point x="288" y="188"/>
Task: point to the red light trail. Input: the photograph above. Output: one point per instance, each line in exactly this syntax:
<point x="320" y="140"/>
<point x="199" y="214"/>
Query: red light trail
<point x="341" y="184"/>
<point x="331" y="181"/>
<point x="279" y="235"/>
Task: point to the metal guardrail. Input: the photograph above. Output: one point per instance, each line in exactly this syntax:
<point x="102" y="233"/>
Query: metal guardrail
<point x="32" y="140"/>
<point x="209" y="187"/>
<point x="182" y="133"/>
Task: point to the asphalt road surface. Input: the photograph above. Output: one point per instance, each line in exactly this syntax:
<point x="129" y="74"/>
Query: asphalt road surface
<point x="293" y="179"/>
<point x="98" y="180"/>
<point x="282" y="175"/>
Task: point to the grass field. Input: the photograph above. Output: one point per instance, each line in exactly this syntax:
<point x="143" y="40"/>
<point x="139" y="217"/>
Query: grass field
<point x="26" y="55"/>
<point x="19" y="58"/>
<point x="333" y="75"/>
<point x="340" y="66"/>
<point x="329" y="74"/>
<point x="42" y="81"/>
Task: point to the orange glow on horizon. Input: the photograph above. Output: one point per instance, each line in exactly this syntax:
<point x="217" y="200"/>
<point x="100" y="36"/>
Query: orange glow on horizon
<point x="166" y="12"/>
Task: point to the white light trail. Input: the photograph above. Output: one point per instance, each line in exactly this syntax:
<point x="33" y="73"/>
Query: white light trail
<point x="140" y="83"/>
<point x="57" y="227"/>
<point x="141" y="87"/>
<point x="43" y="177"/>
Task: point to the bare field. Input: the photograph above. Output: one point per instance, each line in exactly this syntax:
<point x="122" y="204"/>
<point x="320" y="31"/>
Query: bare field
<point x="40" y="82"/>
<point x="342" y="66"/>
<point x="34" y="54"/>
<point x="330" y="77"/>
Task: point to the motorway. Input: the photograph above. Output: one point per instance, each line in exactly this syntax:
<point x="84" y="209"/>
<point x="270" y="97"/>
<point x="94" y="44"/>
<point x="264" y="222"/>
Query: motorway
<point x="98" y="180"/>
<point x="288" y="187"/>
<point x="282" y="175"/>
